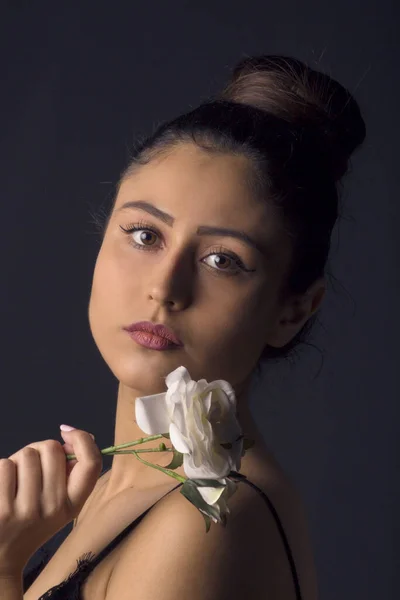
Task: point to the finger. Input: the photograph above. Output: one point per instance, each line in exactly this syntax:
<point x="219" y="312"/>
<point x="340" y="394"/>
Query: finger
<point x="8" y="480"/>
<point x="54" y="483"/>
<point x="85" y="473"/>
<point x="42" y="483"/>
<point x="29" y="483"/>
<point x="69" y="449"/>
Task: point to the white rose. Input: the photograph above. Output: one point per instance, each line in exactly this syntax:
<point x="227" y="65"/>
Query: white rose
<point x="199" y="417"/>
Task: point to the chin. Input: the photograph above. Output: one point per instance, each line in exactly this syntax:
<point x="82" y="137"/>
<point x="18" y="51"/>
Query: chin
<point x="143" y="374"/>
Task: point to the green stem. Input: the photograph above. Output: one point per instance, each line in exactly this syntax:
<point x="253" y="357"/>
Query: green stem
<point x="148" y="450"/>
<point x="112" y="449"/>
<point x="163" y="469"/>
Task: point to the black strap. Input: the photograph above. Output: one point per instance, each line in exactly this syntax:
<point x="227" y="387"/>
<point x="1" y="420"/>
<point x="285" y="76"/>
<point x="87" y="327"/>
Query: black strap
<point x="284" y="538"/>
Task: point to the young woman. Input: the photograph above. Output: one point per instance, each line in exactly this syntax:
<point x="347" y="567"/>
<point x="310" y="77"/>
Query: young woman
<point x="220" y="231"/>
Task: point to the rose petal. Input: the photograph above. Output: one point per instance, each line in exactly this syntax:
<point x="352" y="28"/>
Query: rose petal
<point x="220" y="385"/>
<point x="178" y="440"/>
<point x="205" y="470"/>
<point x="210" y="494"/>
<point x="177" y="375"/>
<point x="151" y="414"/>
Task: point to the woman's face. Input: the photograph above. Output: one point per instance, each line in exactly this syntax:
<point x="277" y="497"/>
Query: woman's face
<point x="223" y="314"/>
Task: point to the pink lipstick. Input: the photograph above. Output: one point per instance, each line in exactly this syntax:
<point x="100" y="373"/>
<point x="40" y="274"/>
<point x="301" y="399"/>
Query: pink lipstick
<point x="153" y="335"/>
<point x="154" y="342"/>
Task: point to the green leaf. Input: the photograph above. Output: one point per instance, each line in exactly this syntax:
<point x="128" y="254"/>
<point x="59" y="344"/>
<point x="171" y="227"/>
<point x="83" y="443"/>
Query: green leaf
<point x="207" y="520"/>
<point x="176" y="461"/>
<point x="207" y="483"/>
<point x="227" y="445"/>
<point x="190" y="491"/>
<point x="248" y="443"/>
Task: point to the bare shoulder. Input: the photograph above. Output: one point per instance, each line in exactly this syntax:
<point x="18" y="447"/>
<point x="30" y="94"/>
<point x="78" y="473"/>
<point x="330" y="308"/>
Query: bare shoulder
<point x="176" y="557"/>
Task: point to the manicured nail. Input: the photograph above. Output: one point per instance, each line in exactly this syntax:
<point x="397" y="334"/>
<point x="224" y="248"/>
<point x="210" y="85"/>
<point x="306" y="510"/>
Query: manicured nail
<point x="66" y="427"/>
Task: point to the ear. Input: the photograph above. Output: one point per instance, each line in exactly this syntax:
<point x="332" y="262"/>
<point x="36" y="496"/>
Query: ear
<point x="296" y="313"/>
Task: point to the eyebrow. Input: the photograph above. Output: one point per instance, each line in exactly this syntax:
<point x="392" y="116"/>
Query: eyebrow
<point x="201" y="230"/>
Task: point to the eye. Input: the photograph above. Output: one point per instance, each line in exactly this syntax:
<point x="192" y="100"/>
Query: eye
<point x="141" y="244"/>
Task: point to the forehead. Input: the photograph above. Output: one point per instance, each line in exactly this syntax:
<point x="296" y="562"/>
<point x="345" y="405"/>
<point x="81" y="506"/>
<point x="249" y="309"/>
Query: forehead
<point x="207" y="187"/>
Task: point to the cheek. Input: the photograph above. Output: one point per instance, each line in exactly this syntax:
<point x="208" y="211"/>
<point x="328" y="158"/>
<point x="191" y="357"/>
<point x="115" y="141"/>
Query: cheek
<point x="248" y="312"/>
<point x="105" y="289"/>
<point x="239" y="334"/>
<point x="230" y="334"/>
<point x="110" y="274"/>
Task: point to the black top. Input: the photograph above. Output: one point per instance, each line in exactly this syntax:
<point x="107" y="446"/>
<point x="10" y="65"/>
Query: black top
<point x="69" y="589"/>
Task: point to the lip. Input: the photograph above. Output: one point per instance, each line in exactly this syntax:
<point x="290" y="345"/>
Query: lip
<point x="157" y="329"/>
<point x="154" y="342"/>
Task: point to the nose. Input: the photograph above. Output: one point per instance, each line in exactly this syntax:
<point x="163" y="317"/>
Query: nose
<point x="172" y="282"/>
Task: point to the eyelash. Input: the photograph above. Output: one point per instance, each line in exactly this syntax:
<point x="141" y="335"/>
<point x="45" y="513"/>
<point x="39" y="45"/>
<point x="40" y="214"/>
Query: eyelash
<point x="220" y="250"/>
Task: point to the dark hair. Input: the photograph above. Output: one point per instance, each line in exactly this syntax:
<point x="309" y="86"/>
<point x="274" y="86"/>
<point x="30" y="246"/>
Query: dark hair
<point x="298" y="127"/>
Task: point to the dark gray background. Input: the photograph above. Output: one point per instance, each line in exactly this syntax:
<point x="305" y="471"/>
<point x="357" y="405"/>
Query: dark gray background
<point x="79" y="80"/>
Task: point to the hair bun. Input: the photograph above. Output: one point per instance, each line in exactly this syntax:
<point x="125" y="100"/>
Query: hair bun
<point x="291" y="90"/>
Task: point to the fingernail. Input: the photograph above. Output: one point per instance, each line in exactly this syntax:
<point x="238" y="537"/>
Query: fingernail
<point x="66" y="427"/>
<point x="91" y="434"/>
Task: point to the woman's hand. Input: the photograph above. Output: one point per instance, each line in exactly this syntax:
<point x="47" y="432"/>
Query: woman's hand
<point x="40" y="492"/>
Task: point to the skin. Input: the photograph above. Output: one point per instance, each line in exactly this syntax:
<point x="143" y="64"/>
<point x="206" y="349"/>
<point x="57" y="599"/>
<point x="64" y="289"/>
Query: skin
<point x="224" y="321"/>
